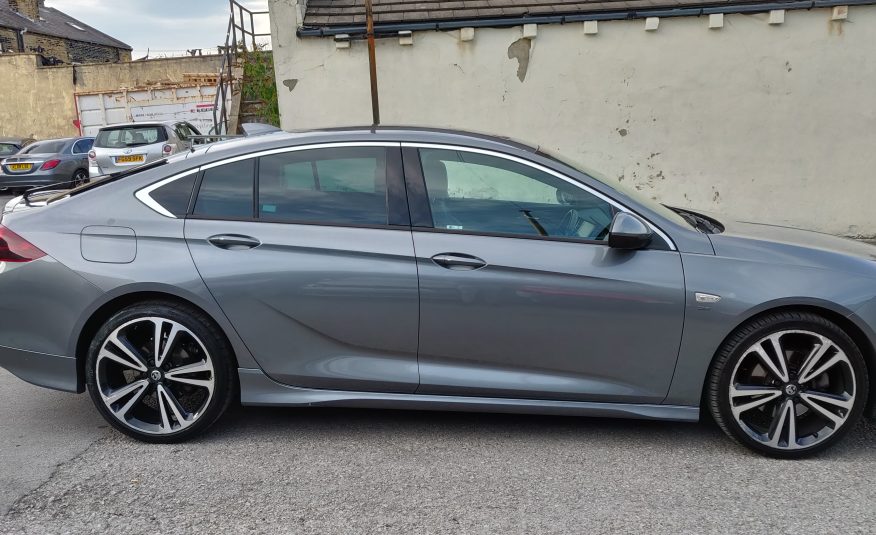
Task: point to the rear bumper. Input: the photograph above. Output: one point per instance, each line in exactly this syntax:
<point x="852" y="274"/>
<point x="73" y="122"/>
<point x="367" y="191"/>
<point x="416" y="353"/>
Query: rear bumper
<point x="32" y="180"/>
<point x="49" y="371"/>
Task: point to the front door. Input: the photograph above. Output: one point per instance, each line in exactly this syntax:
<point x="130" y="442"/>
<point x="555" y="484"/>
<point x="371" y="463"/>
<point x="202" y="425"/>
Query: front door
<point x="317" y="273"/>
<point x="521" y="296"/>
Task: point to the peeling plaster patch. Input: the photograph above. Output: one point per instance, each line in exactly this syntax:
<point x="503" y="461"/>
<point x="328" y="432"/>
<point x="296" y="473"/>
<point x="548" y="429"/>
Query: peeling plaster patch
<point x="290" y="83"/>
<point x="520" y="50"/>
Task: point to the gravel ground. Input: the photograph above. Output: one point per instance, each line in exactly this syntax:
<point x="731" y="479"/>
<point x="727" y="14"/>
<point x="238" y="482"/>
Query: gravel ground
<point x="366" y="471"/>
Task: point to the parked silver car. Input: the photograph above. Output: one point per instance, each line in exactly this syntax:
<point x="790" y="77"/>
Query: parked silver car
<point x="123" y="146"/>
<point x="423" y="269"/>
<point x="53" y="161"/>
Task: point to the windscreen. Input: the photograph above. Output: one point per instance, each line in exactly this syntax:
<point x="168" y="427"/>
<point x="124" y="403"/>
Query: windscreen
<point x="637" y="196"/>
<point x="7" y="149"/>
<point x="129" y="136"/>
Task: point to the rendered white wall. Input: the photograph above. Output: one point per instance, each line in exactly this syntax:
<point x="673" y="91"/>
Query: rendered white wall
<point x="774" y="123"/>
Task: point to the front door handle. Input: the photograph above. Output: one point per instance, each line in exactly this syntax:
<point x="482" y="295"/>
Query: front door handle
<point x="233" y="242"/>
<point x="458" y="261"/>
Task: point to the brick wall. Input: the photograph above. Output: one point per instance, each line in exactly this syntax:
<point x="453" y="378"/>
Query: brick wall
<point x="28" y="8"/>
<point x="53" y="49"/>
<point x="80" y="52"/>
<point x="8" y="40"/>
<point x="57" y="51"/>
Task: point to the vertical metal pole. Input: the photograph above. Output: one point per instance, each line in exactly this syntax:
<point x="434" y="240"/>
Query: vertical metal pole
<point x="372" y="63"/>
<point x="252" y="28"/>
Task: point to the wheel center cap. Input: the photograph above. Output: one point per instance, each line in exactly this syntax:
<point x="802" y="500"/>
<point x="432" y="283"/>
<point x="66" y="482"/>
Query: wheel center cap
<point x="155" y="375"/>
<point x="791" y="389"/>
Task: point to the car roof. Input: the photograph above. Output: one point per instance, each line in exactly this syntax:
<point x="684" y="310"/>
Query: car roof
<point x="64" y="139"/>
<point x="144" y="123"/>
<point x="412" y="134"/>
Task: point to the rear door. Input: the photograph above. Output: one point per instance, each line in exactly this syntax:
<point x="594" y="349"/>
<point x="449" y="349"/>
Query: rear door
<point x="521" y="297"/>
<point x="309" y="253"/>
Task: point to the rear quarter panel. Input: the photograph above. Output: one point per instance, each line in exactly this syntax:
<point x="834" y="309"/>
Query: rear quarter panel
<point x="162" y="262"/>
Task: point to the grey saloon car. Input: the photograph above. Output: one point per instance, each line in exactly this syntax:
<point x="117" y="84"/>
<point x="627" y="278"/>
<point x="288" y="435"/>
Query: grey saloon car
<point x="52" y="161"/>
<point x="425" y="269"/>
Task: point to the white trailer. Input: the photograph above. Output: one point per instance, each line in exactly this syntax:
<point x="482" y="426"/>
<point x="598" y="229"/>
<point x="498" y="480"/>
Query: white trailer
<point x="183" y="102"/>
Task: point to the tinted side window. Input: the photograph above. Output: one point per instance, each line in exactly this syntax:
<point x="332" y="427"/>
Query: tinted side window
<point x="227" y="190"/>
<point x="345" y="185"/>
<point x="82" y="146"/>
<point x="175" y="196"/>
<point x="480" y="193"/>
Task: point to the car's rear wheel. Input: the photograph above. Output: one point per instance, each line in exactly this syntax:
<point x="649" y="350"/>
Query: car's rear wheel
<point x="80" y="177"/>
<point x="160" y="372"/>
<point x="788" y="384"/>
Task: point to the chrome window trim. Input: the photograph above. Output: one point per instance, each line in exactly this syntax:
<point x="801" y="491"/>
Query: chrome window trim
<point x="144" y="195"/>
<point x="549" y="171"/>
<point x="326" y="145"/>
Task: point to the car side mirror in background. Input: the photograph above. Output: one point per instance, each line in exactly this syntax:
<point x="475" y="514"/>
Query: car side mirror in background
<point x="629" y="232"/>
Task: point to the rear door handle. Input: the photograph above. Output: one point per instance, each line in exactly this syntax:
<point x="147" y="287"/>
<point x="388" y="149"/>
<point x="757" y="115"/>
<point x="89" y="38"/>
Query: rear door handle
<point x="458" y="261"/>
<point x="233" y="242"/>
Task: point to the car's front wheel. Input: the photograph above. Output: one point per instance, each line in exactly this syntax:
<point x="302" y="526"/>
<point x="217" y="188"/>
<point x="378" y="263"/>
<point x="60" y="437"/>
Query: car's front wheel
<point x="160" y="372"/>
<point x="788" y="384"/>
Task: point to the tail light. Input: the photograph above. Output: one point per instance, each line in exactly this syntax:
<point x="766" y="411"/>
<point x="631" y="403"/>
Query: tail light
<point x="167" y="149"/>
<point x="92" y="155"/>
<point x="49" y="165"/>
<point x="14" y="248"/>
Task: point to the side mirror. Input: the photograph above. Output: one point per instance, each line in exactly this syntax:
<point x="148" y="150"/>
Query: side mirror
<point x="629" y="232"/>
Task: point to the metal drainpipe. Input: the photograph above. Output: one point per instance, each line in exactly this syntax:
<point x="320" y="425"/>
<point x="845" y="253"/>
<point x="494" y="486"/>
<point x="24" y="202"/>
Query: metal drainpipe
<point x="372" y="63"/>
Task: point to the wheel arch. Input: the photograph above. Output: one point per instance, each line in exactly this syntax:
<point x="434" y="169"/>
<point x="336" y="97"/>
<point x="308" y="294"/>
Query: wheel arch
<point x="845" y="322"/>
<point x="93" y="321"/>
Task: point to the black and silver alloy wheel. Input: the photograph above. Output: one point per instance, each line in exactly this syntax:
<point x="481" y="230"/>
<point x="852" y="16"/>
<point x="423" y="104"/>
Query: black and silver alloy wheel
<point x="80" y="177"/>
<point x="788" y="385"/>
<point x="159" y="375"/>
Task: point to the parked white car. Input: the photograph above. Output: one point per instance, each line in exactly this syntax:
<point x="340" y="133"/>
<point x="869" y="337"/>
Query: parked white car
<point x="122" y="146"/>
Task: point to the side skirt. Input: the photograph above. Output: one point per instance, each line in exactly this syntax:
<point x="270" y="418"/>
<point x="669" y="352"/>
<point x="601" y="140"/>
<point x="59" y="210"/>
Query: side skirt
<point x="257" y="389"/>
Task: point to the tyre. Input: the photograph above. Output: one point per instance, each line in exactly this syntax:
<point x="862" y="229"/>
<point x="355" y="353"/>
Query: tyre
<point x="160" y="372"/>
<point x="80" y="177"/>
<point x="788" y="384"/>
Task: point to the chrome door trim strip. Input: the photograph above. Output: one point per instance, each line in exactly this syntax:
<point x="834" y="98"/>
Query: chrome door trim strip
<point x="549" y="171"/>
<point x="296" y="148"/>
<point x="143" y="195"/>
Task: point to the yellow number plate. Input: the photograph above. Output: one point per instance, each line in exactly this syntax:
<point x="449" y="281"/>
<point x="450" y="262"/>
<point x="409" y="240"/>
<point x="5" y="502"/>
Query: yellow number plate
<point x="137" y="158"/>
<point x="20" y="166"/>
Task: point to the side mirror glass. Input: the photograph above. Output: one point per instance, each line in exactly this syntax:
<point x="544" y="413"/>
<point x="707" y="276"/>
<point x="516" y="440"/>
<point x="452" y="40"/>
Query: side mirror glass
<point x="629" y="232"/>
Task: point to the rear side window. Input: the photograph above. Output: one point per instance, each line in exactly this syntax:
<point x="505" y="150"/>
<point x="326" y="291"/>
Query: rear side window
<point x="345" y="185"/>
<point x="175" y="196"/>
<point x="82" y="146"/>
<point x="129" y="136"/>
<point x="7" y="149"/>
<point x="227" y="191"/>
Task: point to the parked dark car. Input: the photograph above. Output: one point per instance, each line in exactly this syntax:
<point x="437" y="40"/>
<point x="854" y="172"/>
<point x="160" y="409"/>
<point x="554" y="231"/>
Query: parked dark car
<point x="424" y="269"/>
<point x="53" y="161"/>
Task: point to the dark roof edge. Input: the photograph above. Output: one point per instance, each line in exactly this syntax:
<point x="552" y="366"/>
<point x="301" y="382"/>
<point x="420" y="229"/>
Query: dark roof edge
<point x="393" y="28"/>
